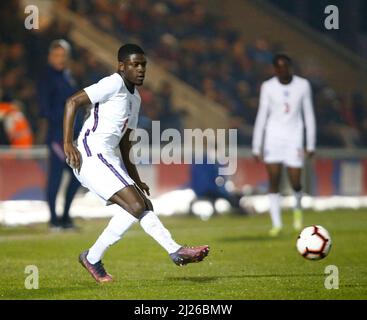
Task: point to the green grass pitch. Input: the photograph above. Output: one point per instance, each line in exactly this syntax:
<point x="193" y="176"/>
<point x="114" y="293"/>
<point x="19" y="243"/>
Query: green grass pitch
<point x="244" y="263"/>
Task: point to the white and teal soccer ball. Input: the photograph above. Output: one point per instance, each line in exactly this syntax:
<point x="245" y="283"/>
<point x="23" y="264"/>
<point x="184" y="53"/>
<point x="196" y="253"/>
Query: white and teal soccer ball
<point x="314" y="243"/>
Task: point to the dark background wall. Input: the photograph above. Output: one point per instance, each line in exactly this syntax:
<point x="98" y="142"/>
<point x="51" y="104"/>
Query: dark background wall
<point x="353" y="19"/>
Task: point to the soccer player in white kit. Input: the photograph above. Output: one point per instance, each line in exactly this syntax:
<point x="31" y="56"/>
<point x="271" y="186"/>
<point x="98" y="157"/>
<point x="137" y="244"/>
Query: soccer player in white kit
<point x="102" y="162"/>
<point x="285" y="108"/>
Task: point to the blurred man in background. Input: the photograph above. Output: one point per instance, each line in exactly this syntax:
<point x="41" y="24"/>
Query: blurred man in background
<point x="285" y="107"/>
<point x="54" y="87"/>
<point x="208" y="185"/>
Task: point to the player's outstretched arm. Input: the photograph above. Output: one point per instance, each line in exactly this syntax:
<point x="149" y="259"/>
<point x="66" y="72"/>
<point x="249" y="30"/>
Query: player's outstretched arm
<point x="125" y="147"/>
<point x="310" y="123"/>
<point x="72" y="105"/>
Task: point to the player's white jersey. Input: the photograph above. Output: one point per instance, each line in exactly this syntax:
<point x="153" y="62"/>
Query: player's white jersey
<point x="280" y="115"/>
<point x="115" y="109"/>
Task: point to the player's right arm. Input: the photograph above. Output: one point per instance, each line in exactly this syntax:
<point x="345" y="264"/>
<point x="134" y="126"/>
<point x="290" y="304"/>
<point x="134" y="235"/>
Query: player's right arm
<point x="310" y="123"/>
<point x="260" y="122"/>
<point x="72" y="105"/>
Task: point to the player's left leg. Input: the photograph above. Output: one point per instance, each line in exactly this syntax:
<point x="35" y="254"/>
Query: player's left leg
<point x="91" y="259"/>
<point x="294" y="175"/>
<point x="274" y="173"/>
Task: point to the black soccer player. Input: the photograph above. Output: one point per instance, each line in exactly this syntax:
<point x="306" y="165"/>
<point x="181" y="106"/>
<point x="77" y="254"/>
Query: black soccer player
<point x="114" y="178"/>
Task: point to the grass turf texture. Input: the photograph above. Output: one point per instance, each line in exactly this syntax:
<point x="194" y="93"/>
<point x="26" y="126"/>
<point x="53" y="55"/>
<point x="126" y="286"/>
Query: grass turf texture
<point x="244" y="263"/>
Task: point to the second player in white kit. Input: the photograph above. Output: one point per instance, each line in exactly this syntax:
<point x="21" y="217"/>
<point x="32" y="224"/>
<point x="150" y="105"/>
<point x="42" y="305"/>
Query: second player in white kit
<point x="285" y="111"/>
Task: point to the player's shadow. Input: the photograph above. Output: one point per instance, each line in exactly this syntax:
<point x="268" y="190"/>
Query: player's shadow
<point x="264" y="237"/>
<point x="196" y="279"/>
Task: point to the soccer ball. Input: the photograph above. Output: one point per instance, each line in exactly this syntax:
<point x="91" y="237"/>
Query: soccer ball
<point x="314" y="243"/>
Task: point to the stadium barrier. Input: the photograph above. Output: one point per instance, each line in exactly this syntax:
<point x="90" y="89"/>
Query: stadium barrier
<point x="23" y="174"/>
<point x="333" y="179"/>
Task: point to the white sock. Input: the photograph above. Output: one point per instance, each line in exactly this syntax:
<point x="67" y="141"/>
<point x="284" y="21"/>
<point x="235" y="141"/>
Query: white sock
<point x="117" y="226"/>
<point x="154" y="227"/>
<point x="275" y="213"/>
<point x="298" y="195"/>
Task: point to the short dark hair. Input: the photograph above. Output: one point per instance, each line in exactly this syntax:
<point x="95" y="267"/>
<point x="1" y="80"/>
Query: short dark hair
<point x="281" y="56"/>
<point x="127" y="50"/>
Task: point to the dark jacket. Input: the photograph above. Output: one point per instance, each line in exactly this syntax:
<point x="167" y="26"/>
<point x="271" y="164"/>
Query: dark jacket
<point x="54" y="88"/>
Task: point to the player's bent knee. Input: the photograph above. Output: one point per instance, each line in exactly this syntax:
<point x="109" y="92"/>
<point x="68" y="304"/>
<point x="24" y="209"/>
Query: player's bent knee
<point x="149" y="204"/>
<point x="137" y="209"/>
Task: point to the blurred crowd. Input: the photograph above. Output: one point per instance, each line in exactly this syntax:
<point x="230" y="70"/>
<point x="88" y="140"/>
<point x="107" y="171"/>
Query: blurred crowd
<point x="204" y="51"/>
<point x="23" y="59"/>
<point x="192" y="44"/>
<point x="352" y="14"/>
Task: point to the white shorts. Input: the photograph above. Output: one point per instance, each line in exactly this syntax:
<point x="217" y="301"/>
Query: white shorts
<point x="285" y="153"/>
<point x="103" y="174"/>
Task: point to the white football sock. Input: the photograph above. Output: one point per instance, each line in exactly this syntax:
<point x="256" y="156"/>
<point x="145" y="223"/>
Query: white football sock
<point x="117" y="226"/>
<point x="298" y="195"/>
<point x="275" y="213"/>
<point x="154" y="227"/>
